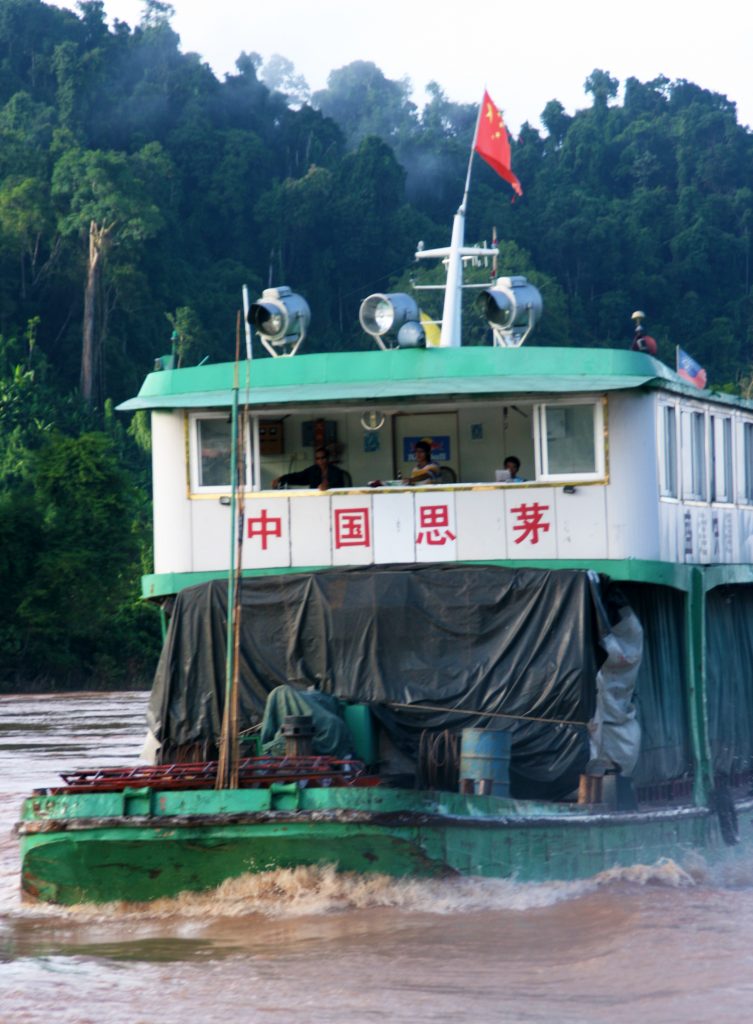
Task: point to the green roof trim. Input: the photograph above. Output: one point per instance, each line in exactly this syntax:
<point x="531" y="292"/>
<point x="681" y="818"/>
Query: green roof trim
<point x="157" y="585"/>
<point x="634" y="570"/>
<point x="405" y="374"/>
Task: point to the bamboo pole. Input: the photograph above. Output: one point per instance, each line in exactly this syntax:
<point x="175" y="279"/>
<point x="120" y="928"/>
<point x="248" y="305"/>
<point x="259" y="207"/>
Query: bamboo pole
<point x="227" y="765"/>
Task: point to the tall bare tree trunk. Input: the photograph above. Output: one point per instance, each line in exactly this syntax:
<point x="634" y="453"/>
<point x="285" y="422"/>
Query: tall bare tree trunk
<point x="91" y="346"/>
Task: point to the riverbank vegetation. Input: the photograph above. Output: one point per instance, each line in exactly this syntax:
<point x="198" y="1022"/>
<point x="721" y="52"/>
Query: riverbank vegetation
<point x="138" y="193"/>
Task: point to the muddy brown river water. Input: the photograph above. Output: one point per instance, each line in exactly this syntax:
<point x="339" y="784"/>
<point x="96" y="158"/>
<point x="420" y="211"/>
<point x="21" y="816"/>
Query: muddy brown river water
<point x="654" y="943"/>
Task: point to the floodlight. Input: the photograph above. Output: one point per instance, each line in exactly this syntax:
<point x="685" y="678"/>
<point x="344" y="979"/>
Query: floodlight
<point x="512" y="309"/>
<point x="394" y="318"/>
<point x="280" y="318"/>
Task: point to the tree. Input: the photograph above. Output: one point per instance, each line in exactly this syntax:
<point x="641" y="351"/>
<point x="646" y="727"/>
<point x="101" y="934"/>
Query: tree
<point x="279" y="75"/>
<point x="156" y="14"/>
<point x="94" y="22"/>
<point x="296" y="215"/>
<point x="25" y="220"/>
<point x="435" y="153"/>
<point x="187" y="333"/>
<point x="103" y="200"/>
<point x="602" y="87"/>
<point x="556" y="121"/>
<point x="86" y="550"/>
<point x="364" y="102"/>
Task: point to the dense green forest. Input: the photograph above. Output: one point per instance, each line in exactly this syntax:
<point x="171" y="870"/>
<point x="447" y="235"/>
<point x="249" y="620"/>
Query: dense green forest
<point x="138" y="193"/>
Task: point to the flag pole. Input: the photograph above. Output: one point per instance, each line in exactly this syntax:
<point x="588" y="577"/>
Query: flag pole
<point x="470" y="159"/>
<point x="451" y="335"/>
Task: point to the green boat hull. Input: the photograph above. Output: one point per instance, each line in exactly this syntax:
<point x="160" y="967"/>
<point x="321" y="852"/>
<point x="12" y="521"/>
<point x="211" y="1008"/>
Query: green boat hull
<point x="141" y="845"/>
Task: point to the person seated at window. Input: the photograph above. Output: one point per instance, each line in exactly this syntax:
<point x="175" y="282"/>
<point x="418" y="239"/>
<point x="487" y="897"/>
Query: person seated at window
<point x="512" y="465"/>
<point x="321" y="476"/>
<point x="425" y="471"/>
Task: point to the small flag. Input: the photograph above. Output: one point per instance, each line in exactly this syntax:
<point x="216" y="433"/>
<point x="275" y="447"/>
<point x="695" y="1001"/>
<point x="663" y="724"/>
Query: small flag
<point x="493" y="142"/>
<point x="690" y="370"/>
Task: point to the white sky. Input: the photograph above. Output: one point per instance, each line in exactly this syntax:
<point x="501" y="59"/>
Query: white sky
<point x="525" y="53"/>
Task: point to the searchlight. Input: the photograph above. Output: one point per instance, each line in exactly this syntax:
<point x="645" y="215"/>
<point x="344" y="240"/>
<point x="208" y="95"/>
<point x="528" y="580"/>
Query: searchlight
<point x="393" y="321"/>
<point x="280" y="318"/>
<point x="512" y="309"/>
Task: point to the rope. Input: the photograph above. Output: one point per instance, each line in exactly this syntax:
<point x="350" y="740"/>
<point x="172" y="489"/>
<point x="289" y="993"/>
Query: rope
<point x="485" y="714"/>
<point x="438" y="759"/>
<point x="251" y="728"/>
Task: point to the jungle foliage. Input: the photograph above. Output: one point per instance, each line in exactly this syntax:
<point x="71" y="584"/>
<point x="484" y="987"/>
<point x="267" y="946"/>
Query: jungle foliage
<point x="138" y="193"/>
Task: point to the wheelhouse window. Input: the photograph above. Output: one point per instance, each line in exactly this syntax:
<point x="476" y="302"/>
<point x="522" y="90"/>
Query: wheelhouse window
<point x="570" y="440"/>
<point x="694" y="455"/>
<point x="668" y="448"/>
<point x="747" y="446"/>
<point x="721" y="459"/>
<point x="211" y="452"/>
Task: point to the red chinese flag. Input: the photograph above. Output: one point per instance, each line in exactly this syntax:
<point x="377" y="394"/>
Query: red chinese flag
<point x="493" y="142"/>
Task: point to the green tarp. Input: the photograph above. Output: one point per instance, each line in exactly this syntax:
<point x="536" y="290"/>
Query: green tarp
<point x="660" y="690"/>
<point x="729" y="672"/>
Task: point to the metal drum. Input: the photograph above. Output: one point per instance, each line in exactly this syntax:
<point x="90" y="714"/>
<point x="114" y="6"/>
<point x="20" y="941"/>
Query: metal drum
<point x="485" y="762"/>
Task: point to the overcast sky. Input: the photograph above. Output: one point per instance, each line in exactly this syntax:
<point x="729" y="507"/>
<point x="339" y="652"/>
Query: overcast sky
<point x="525" y="53"/>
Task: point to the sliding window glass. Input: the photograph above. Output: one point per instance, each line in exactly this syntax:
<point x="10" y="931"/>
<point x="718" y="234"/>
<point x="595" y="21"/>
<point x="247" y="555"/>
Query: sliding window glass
<point x="694" y="455"/>
<point x="211" y="450"/>
<point x="570" y="440"/>
<point x="747" y="481"/>
<point x="721" y="459"/>
<point x="668" y="450"/>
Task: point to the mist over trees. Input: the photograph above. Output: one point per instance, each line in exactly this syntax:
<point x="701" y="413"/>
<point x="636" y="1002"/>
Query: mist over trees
<point x="138" y="193"/>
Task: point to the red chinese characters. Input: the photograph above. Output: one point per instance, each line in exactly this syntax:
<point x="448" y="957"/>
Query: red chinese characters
<point x="352" y="528"/>
<point x="264" y="526"/>
<point x="434" y="525"/>
<point x="530" y="521"/>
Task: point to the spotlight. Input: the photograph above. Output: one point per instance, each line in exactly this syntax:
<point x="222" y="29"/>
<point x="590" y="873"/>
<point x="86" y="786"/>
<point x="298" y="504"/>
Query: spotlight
<point x="512" y="309"/>
<point x="280" y="318"/>
<point x="395" y="318"/>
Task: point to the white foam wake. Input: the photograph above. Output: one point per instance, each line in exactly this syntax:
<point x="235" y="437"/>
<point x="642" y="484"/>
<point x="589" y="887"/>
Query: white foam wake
<point x="304" y="891"/>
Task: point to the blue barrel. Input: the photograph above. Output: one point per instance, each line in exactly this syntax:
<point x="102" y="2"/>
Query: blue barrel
<point x="485" y="762"/>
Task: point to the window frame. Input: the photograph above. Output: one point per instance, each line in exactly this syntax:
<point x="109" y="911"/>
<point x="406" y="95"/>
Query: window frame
<point x="194" y="421"/>
<point x="721" y="445"/>
<point x="745" y="482"/>
<point x="599" y="440"/>
<point x="669" y="461"/>
<point x="694" y="453"/>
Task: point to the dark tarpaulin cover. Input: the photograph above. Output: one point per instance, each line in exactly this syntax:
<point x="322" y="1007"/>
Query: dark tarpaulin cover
<point x="467" y="639"/>
<point x="660" y="697"/>
<point x="729" y="661"/>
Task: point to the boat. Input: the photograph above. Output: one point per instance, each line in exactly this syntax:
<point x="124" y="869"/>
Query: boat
<point x="537" y="670"/>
